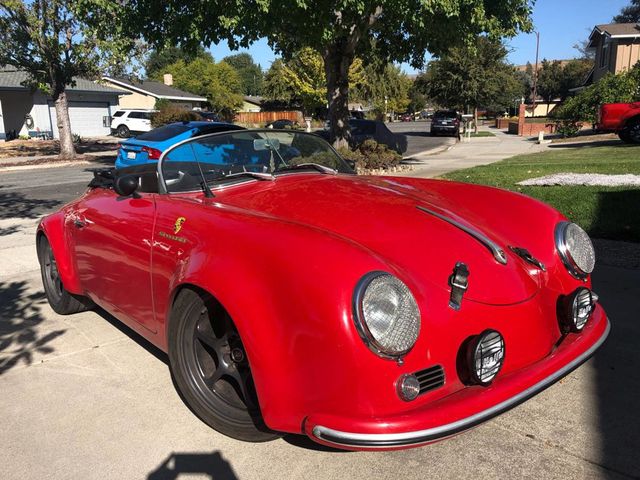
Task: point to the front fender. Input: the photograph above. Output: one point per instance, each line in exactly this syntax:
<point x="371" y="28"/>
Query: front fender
<point x="291" y="306"/>
<point x="53" y="227"/>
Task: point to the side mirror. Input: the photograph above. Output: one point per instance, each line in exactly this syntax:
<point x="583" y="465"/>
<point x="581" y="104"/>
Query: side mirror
<point x="126" y="185"/>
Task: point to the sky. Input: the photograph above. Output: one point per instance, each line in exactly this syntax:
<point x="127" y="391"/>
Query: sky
<point x="561" y="23"/>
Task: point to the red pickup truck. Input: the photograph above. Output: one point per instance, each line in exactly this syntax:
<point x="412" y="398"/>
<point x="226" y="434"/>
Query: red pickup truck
<point x="622" y="118"/>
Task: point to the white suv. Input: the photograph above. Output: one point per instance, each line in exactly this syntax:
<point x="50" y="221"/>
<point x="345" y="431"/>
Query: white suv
<point x="124" y="122"/>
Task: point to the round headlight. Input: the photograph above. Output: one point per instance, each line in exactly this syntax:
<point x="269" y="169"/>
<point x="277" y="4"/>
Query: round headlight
<point x="575" y="249"/>
<point x="580" y="306"/>
<point x="487" y="356"/>
<point x="386" y="314"/>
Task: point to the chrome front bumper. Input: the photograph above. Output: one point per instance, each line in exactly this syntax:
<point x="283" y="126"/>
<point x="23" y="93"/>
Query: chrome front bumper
<point x="415" y="438"/>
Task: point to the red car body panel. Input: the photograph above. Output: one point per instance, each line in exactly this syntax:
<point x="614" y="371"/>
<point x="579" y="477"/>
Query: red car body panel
<point x="284" y="257"/>
<point x="613" y="117"/>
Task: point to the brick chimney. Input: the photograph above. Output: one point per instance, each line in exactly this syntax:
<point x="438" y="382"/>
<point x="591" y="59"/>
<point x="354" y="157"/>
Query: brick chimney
<point x="168" y="79"/>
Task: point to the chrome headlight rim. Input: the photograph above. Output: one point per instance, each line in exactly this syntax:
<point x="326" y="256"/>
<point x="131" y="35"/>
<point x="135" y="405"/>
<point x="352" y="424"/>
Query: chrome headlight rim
<point x="361" y="324"/>
<point x="564" y="253"/>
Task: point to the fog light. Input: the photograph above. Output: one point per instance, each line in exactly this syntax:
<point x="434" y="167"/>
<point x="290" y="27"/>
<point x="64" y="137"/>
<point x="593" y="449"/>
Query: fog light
<point x="580" y="305"/>
<point x="487" y="356"/>
<point x="408" y="387"/>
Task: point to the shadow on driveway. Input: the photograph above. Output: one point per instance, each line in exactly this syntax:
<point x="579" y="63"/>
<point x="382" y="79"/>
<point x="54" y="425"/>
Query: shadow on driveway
<point x="20" y="319"/>
<point x="211" y="464"/>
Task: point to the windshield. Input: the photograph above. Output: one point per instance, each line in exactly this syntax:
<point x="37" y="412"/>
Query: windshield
<point x="245" y="155"/>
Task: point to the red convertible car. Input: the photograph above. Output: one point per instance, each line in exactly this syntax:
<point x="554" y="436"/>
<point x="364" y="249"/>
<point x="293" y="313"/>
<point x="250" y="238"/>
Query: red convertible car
<point x="292" y="295"/>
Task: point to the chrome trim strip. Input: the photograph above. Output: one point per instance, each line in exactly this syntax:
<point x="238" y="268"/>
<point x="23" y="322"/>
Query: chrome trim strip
<point x="387" y="440"/>
<point x="494" y="248"/>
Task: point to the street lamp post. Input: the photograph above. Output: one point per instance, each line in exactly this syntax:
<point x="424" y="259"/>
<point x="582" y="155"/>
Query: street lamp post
<point x="535" y="76"/>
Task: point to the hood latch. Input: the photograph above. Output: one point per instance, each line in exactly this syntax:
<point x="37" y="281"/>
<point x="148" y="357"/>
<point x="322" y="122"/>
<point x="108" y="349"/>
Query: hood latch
<point x="459" y="282"/>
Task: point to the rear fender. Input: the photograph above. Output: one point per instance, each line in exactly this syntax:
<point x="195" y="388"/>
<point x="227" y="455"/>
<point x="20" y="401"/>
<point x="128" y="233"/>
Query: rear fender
<point x="53" y="228"/>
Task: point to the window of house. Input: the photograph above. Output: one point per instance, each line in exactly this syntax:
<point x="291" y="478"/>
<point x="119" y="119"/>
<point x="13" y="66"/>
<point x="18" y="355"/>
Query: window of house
<point x="604" y="57"/>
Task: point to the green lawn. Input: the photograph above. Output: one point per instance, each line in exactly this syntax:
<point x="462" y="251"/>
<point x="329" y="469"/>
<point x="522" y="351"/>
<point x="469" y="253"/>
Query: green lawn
<point x="605" y="212"/>
<point x="482" y="133"/>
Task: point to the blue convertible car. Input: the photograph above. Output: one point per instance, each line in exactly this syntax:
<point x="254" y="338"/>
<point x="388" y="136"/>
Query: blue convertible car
<point x="148" y="147"/>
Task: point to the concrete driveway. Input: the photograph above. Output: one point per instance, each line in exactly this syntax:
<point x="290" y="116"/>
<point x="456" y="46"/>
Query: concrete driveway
<point x="82" y="397"/>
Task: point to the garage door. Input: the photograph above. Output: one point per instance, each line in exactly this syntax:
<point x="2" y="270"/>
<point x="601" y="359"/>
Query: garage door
<point x="86" y="118"/>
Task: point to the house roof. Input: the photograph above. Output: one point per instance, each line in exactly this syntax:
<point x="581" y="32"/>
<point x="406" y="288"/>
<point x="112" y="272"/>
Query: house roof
<point x="615" y="30"/>
<point x="12" y="79"/>
<point x="154" y="89"/>
<point x="253" y="99"/>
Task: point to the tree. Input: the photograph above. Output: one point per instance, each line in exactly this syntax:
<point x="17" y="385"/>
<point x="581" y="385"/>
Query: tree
<point x="218" y="82"/>
<point x="550" y="78"/>
<point x="629" y="14"/>
<point x="340" y="31"/>
<point x="474" y="76"/>
<point x="55" y="41"/>
<point x="250" y="72"/>
<point x="158" y="60"/>
<point x="385" y="87"/>
<point x="301" y="81"/>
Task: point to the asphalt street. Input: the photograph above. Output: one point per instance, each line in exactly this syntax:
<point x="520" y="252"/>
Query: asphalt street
<point x="82" y="396"/>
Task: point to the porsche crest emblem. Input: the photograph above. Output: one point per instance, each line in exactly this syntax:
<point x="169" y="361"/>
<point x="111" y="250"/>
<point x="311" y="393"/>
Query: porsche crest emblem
<point x="178" y="225"/>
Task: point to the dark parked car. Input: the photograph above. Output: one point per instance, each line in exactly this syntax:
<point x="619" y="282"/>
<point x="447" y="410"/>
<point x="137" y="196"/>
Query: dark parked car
<point x="362" y="130"/>
<point x="446" y="122"/>
<point x="282" y="123"/>
<point x="209" y="116"/>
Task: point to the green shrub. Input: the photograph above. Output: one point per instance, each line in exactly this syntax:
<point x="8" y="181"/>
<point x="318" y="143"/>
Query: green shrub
<point x="621" y="88"/>
<point x="568" y="128"/>
<point x="170" y="114"/>
<point x="77" y="139"/>
<point x="372" y="155"/>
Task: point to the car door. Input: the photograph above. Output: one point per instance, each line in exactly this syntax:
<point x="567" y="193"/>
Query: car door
<point x="112" y="244"/>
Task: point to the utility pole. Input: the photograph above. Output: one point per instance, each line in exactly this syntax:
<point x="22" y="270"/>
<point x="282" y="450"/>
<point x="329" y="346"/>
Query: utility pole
<point x="535" y="75"/>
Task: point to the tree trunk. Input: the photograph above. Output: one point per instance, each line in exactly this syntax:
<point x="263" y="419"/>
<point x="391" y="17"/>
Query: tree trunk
<point x="336" y="67"/>
<point x="67" y="148"/>
<point x="475" y="120"/>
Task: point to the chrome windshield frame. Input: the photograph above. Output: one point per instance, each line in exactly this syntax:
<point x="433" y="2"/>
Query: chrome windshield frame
<point x="162" y="186"/>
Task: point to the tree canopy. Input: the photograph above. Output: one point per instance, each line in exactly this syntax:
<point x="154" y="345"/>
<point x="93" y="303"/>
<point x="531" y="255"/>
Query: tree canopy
<point x="218" y="82"/>
<point x="340" y="31"/>
<point x="473" y="76"/>
<point x="55" y="41"/>
<point x="629" y="14"/>
<point x="158" y="60"/>
<point x="250" y="72"/>
<point x="556" y="79"/>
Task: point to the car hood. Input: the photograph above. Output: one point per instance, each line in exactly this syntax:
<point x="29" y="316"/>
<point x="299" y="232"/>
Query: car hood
<point x="388" y="216"/>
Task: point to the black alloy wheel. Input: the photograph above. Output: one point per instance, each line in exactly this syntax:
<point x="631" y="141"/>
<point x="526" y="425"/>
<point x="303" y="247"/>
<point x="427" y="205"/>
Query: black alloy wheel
<point x="61" y="301"/>
<point x="211" y="369"/>
<point x="123" y="131"/>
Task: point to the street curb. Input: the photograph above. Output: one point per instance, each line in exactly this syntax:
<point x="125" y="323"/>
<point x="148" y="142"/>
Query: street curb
<point x="32" y="166"/>
<point x="425" y="153"/>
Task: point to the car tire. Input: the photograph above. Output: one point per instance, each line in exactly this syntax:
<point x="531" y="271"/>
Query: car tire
<point x="631" y="132"/>
<point x="123" y="131"/>
<point x="624" y="136"/>
<point x="61" y="301"/>
<point x="210" y="369"/>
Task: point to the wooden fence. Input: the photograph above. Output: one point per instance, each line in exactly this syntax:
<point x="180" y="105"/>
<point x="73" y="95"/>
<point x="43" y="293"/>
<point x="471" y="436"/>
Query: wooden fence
<point x="266" y="117"/>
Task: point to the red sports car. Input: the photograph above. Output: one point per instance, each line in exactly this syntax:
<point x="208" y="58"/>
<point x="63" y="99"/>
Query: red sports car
<point x="293" y="296"/>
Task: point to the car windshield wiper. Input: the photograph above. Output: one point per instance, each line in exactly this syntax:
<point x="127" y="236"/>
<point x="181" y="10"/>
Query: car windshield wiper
<point x="315" y="166"/>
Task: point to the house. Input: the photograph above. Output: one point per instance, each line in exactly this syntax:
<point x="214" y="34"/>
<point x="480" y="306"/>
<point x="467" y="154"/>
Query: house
<point x="251" y="104"/>
<point x="143" y="94"/>
<point x="617" y="48"/>
<point x="24" y="111"/>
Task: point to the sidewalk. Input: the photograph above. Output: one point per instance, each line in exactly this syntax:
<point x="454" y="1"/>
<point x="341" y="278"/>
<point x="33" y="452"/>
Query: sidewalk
<point x="16" y="163"/>
<point x="474" y="152"/>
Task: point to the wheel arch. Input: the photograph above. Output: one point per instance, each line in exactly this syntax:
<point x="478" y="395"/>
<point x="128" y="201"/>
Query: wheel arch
<point x="52" y="228"/>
